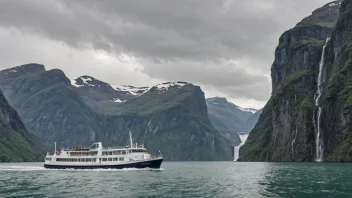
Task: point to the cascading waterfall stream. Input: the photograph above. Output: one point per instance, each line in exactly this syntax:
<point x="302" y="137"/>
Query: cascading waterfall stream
<point x="318" y="141"/>
<point x="237" y="148"/>
<point x="293" y="146"/>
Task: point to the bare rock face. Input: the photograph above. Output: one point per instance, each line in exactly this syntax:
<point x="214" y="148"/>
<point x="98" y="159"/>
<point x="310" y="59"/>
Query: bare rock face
<point x="286" y="130"/>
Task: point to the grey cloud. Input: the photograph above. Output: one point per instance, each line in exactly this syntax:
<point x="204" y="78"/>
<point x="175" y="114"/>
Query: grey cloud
<point x="216" y="74"/>
<point x="166" y="29"/>
<point x="226" y="78"/>
<point x="189" y="37"/>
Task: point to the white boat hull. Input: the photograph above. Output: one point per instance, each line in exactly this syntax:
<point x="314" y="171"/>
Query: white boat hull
<point x="152" y="163"/>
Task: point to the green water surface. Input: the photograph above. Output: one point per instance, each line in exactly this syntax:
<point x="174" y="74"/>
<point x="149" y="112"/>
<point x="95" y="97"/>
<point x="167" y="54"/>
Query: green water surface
<point x="181" y="179"/>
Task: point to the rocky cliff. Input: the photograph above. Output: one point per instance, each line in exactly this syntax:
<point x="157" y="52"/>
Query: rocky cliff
<point x="171" y="117"/>
<point x="294" y="125"/>
<point x="16" y="143"/>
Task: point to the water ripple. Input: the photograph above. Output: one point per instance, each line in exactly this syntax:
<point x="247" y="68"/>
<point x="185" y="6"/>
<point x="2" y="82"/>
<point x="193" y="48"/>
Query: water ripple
<point x="177" y="179"/>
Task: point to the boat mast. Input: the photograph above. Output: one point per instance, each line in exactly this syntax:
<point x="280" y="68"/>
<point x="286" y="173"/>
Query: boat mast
<point x="131" y="141"/>
<point x="55" y="147"/>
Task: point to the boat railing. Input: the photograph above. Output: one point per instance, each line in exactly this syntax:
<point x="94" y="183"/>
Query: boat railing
<point x="115" y="147"/>
<point x="52" y="153"/>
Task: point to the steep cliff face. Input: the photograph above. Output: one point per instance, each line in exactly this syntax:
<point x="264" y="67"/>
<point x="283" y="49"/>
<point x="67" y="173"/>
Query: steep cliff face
<point x="16" y="144"/>
<point x="286" y="130"/>
<point x="171" y="117"/>
<point x="336" y="100"/>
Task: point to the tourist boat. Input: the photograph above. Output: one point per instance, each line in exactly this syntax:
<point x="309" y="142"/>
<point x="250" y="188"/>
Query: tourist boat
<point x="130" y="156"/>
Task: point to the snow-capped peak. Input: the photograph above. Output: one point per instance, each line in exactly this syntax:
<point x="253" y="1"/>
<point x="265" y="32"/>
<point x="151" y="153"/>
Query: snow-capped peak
<point x="333" y="4"/>
<point x="130" y="89"/>
<point x="137" y="91"/>
<point x="219" y="100"/>
<point x="247" y="109"/>
<point x="166" y="86"/>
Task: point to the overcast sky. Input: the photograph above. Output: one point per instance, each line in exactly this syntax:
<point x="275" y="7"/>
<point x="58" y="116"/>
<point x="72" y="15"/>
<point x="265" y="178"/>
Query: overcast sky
<point x="224" y="46"/>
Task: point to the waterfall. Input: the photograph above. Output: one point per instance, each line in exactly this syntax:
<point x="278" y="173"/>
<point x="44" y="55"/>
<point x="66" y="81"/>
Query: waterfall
<point x="320" y="81"/>
<point x="237" y="148"/>
<point x="293" y="146"/>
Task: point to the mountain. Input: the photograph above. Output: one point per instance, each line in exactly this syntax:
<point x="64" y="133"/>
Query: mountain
<point x="49" y="105"/>
<point x="227" y="116"/>
<point x="166" y="116"/>
<point x="171" y="116"/>
<point x="252" y="121"/>
<point x="308" y="115"/>
<point x="16" y="143"/>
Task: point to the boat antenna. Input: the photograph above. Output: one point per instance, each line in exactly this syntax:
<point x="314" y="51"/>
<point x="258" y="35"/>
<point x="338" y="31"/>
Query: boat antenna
<point x="131" y="141"/>
<point x="55" y="146"/>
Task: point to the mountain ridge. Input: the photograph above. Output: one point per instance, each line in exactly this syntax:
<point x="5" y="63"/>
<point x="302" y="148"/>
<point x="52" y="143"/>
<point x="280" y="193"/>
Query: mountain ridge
<point x="227" y="116"/>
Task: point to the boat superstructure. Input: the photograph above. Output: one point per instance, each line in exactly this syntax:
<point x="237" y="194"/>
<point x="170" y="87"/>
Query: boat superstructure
<point x="96" y="156"/>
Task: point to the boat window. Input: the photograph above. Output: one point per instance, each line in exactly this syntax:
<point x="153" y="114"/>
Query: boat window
<point x="121" y="159"/>
<point x="105" y="159"/>
<point x="138" y="151"/>
<point x="110" y="159"/>
<point x="124" y="152"/>
<point x="115" y="159"/>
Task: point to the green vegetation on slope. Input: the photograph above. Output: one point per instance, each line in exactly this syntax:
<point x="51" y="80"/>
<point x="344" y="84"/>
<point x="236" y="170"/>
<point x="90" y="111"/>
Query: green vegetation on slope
<point x="15" y="147"/>
<point x="16" y="144"/>
<point x="256" y="147"/>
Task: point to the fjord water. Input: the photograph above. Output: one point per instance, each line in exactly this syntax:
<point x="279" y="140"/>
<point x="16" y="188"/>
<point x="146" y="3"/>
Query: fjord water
<point x="181" y="179"/>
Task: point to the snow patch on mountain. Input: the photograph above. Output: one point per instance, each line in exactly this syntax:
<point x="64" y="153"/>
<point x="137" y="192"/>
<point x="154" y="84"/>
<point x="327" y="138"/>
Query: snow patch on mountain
<point x="83" y="79"/>
<point x="247" y="109"/>
<point x="334" y="4"/>
<point x="218" y="100"/>
<point x="211" y="100"/>
<point x="166" y="86"/>
<point x="86" y="80"/>
<point x="138" y="91"/>
<point x="74" y="83"/>
<point x="119" y="101"/>
<point x="131" y="89"/>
